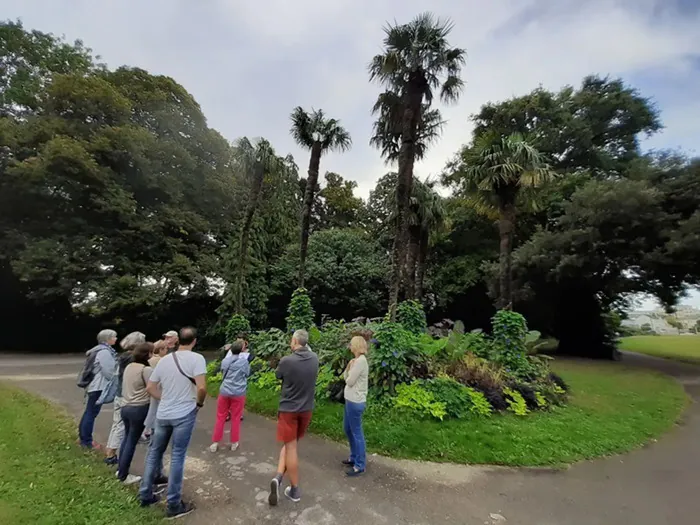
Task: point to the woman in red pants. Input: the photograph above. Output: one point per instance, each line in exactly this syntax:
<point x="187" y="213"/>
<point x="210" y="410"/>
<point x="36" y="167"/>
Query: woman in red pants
<point x="236" y="370"/>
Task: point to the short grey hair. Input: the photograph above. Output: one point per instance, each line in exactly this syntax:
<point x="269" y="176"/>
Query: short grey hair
<point x="302" y="337"/>
<point x="105" y="336"/>
<point x="131" y="340"/>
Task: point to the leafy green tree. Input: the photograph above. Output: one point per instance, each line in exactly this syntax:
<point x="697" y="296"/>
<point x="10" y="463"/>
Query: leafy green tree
<point x="347" y="274"/>
<point x="339" y="207"/>
<point x="417" y="61"/>
<point x="256" y="159"/>
<point x="318" y="134"/>
<point x="493" y="174"/>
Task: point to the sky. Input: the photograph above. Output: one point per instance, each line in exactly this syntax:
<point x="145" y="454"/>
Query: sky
<point x="249" y="63"/>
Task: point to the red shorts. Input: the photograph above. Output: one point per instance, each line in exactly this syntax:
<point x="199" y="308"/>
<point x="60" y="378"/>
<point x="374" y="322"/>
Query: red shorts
<point x="292" y="426"/>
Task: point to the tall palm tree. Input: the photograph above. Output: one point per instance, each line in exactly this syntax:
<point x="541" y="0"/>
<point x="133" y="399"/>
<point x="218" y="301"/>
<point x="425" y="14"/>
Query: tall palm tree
<point x="494" y="173"/>
<point x="417" y="61"/>
<point x="318" y="134"/>
<point x="255" y="159"/>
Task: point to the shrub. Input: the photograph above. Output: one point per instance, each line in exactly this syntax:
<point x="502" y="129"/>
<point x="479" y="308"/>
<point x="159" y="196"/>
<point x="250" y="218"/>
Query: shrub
<point x="267" y="381"/>
<point x="323" y="380"/>
<point x="460" y="401"/>
<point x="270" y="345"/>
<point x="391" y="357"/>
<point x="301" y="313"/>
<point x="528" y="394"/>
<point x="332" y="345"/>
<point x="478" y="373"/>
<point x="213" y="368"/>
<point x="418" y="400"/>
<point x="480" y="405"/>
<point x="411" y="316"/>
<point x="237" y="326"/>
<point x="516" y="403"/>
<point x="509" y="347"/>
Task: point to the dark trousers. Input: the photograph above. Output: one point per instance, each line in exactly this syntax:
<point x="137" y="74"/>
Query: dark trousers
<point x="134" y="418"/>
<point x="87" y="422"/>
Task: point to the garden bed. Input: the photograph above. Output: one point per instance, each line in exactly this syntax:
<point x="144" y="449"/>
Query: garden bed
<point x="452" y="396"/>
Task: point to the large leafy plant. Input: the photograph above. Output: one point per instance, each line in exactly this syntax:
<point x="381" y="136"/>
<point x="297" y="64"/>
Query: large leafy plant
<point x="301" y="313"/>
<point x="412" y="317"/>
<point x="392" y="356"/>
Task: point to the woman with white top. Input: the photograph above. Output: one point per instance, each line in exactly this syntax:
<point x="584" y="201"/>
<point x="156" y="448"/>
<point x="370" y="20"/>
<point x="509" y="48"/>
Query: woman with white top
<point x="356" y="377"/>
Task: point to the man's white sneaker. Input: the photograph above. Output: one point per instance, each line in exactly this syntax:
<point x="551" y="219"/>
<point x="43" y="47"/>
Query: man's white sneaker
<point x="132" y="480"/>
<point x="234" y="446"/>
<point x="214" y="447"/>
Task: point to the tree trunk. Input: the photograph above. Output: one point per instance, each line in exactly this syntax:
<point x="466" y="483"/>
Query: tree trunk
<point x="311" y="182"/>
<point x="412" y="260"/>
<point x="404" y="184"/>
<point x="422" y="259"/>
<point x="506" y="224"/>
<point x="245" y="235"/>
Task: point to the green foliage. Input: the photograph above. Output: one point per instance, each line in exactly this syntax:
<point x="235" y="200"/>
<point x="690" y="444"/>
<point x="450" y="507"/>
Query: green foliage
<point x="391" y="356"/>
<point x="213" y="368"/>
<point x="419" y="401"/>
<point x="509" y="342"/>
<point x="541" y="400"/>
<point x="325" y="377"/>
<point x="516" y="402"/>
<point x="237" y="326"/>
<point x="332" y="345"/>
<point x="267" y="380"/>
<point x="268" y="345"/>
<point x="301" y="313"/>
<point x="412" y="317"/>
<point x="460" y="401"/>
<point x="480" y="406"/>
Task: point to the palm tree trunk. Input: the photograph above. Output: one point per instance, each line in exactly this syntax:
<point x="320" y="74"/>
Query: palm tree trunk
<point x="245" y="236"/>
<point x="404" y="185"/>
<point x="412" y="260"/>
<point x="506" y="223"/>
<point x="420" y="265"/>
<point x="311" y="182"/>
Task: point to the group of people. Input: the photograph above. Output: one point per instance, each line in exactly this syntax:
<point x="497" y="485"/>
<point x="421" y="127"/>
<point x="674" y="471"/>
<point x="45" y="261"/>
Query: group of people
<point x="158" y="388"/>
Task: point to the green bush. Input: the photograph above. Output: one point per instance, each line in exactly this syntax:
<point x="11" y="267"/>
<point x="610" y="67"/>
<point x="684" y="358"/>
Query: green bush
<point x="332" y="345"/>
<point x="267" y="380"/>
<point x="301" y="313"/>
<point x="509" y="342"/>
<point x="516" y="402"/>
<point x="323" y="380"/>
<point x="418" y="400"/>
<point x="237" y="326"/>
<point x="270" y="345"/>
<point x="391" y="357"/>
<point x="412" y="317"/>
<point x="454" y="395"/>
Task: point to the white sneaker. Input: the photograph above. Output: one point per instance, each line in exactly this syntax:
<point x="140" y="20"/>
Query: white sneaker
<point x="132" y="480"/>
<point x="234" y="446"/>
<point x="214" y="447"/>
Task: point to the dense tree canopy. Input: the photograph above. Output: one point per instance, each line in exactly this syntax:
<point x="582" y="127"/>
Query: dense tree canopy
<point x="120" y="206"/>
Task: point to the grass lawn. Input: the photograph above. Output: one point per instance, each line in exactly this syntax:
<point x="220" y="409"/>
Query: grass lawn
<point x="45" y="479"/>
<point x="613" y="409"/>
<point x="684" y="348"/>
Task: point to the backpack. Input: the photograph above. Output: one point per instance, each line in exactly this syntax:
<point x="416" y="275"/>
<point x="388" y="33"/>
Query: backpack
<point x="87" y="374"/>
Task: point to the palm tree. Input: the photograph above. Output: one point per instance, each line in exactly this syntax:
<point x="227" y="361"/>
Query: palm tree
<point x="255" y="159"/>
<point x="417" y="61"/>
<point x="493" y="174"/>
<point x="432" y="214"/>
<point x="319" y="134"/>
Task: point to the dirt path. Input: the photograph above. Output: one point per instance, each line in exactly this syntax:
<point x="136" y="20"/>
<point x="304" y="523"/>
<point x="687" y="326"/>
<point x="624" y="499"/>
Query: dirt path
<point x="653" y="486"/>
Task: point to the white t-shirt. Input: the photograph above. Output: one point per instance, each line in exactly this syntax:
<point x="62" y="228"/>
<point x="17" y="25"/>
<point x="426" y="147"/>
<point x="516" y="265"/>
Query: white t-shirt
<point x="178" y="394"/>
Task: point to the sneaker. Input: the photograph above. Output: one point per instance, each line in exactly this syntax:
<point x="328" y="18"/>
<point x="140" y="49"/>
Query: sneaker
<point x="131" y="480"/>
<point x="234" y="446"/>
<point x="354" y="472"/>
<point x="293" y="494"/>
<point x="274" y="492"/>
<point x="148" y="502"/>
<point x="161" y="481"/>
<point x="348" y="462"/>
<point x="214" y="447"/>
<point x="112" y="460"/>
<point x="159" y="489"/>
<point x="183" y="509"/>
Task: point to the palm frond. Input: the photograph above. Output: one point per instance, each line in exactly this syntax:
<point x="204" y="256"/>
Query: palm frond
<point x="307" y="127"/>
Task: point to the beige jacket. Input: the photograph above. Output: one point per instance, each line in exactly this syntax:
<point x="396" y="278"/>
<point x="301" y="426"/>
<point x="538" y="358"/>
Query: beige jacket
<point x="356" y="381"/>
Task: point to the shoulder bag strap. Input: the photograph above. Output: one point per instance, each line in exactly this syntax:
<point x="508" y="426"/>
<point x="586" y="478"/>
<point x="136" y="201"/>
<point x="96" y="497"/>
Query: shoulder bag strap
<point x="177" y="364"/>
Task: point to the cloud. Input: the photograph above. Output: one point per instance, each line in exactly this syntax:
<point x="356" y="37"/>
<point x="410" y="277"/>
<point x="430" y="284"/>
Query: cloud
<point x="250" y="63"/>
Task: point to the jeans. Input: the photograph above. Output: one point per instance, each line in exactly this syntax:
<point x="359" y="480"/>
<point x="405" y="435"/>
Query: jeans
<point x="133" y="418"/>
<point x="180" y="430"/>
<point x="116" y="433"/>
<point x="352" y="424"/>
<point x="87" y="422"/>
<point x="226" y="405"/>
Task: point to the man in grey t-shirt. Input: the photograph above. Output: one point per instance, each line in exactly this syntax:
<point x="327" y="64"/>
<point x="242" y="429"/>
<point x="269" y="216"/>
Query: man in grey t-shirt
<point x="298" y="373"/>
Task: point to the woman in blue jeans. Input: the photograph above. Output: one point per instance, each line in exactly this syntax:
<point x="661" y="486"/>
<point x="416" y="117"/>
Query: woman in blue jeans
<point x="356" y="377"/>
<point x="136" y="401"/>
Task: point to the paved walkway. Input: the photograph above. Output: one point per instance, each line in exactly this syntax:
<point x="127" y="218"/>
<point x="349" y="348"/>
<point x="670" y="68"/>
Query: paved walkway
<point x="654" y="486"/>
